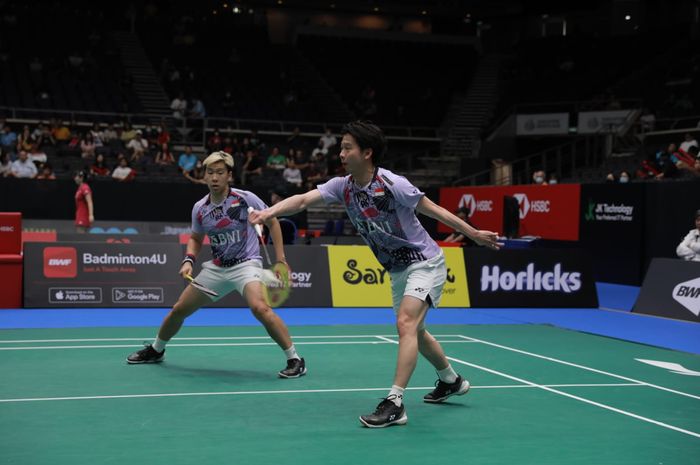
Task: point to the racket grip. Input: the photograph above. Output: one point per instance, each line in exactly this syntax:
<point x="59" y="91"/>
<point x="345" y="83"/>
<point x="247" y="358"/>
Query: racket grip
<point x="258" y="227"/>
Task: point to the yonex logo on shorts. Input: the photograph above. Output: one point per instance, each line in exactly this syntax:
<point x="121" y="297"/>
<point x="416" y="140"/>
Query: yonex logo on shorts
<point x="60" y="262"/>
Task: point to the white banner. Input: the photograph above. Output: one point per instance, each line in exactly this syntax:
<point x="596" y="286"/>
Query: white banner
<point x="590" y="122"/>
<point x="542" y="124"/>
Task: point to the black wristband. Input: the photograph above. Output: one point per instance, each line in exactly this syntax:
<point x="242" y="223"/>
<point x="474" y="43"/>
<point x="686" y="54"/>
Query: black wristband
<point x="189" y="258"/>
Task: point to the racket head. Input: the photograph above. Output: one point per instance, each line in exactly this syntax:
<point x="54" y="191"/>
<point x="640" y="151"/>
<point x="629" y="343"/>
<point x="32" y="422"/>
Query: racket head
<point x="276" y="293"/>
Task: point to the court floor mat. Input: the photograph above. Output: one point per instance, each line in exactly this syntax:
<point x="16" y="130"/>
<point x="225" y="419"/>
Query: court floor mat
<point x="540" y="395"/>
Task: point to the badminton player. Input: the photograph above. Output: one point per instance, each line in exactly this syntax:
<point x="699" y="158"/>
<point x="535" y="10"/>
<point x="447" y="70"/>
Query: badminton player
<point x="381" y="206"/>
<point x="84" y="216"/>
<point x="237" y="264"/>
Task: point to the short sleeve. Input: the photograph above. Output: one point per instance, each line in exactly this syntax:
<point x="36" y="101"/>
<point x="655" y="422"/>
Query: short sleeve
<point x="405" y="193"/>
<point x="255" y="201"/>
<point x="196" y="225"/>
<point x="332" y="191"/>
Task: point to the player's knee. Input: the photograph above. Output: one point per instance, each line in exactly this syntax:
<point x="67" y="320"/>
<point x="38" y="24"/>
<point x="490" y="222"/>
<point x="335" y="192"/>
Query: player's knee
<point x="260" y="309"/>
<point x="407" y="324"/>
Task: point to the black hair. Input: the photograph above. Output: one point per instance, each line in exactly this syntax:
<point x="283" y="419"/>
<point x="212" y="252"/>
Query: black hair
<point x="368" y="136"/>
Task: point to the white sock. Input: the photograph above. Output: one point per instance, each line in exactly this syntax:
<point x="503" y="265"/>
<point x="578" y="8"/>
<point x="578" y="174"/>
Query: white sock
<point x="447" y="375"/>
<point x="397" y="392"/>
<point x="159" y="345"/>
<point x="291" y="353"/>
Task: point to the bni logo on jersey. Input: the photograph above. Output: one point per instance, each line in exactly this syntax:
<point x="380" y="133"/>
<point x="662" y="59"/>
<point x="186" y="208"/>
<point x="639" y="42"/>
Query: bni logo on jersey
<point x="60" y="262"/>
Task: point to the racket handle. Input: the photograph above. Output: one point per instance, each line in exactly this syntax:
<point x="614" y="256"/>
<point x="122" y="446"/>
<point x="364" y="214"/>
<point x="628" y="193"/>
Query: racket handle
<point x="258" y="227"/>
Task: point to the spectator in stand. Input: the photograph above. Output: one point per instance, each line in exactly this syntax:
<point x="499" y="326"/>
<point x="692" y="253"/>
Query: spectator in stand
<point x="99" y="169"/>
<point x="197" y="174"/>
<point x="198" y="111"/>
<point x="165" y="156"/>
<point x="610" y="178"/>
<point x="87" y="146"/>
<point x="123" y="172"/>
<point x="320" y="152"/>
<point x="691" y="163"/>
<point x="179" y="106"/>
<point x="46" y="172"/>
<point x="256" y="142"/>
<point x="25" y="139"/>
<point x="37" y="156"/>
<point x="187" y="160"/>
<point x="44" y="139"/>
<point x="215" y="142"/>
<point x="553" y="179"/>
<point x="137" y="146"/>
<point x="128" y="133"/>
<point x="84" y="208"/>
<point x="689" y="248"/>
<point x="23" y="167"/>
<point x="109" y="134"/>
<point x="624" y="177"/>
<point x="538" y="178"/>
<point x="5" y="165"/>
<point x="328" y="140"/>
<point x="163" y="134"/>
<point x="61" y="133"/>
<point x="315" y="174"/>
<point x="647" y="121"/>
<point x="252" y="166"/>
<point x="294" y="140"/>
<point x="97" y="136"/>
<point x="8" y="140"/>
<point x="292" y="174"/>
<point x="276" y="161"/>
<point x="689" y="141"/>
<point x="665" y="162"/>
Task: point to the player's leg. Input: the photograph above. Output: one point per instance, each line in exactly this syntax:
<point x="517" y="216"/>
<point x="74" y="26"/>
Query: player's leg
<point x="449" y="383"/>
<point x="275" y="327"/>
<point x="189" y="302"/>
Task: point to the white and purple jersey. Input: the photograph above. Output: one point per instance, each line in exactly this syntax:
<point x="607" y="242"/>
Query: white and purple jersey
<point x="383" y="212"/>
<point x="233" y="239"/>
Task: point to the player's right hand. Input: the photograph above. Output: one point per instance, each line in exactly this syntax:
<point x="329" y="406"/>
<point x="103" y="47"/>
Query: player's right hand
<point x="186" y="269"/>
<point x="258" y="216"/>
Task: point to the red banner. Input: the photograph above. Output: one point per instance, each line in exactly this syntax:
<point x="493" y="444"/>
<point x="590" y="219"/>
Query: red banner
<point x="549" y="212"/>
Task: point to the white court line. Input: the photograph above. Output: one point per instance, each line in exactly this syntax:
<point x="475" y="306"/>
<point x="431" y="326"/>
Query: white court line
<point x="583" y="367"/>
<point x="571" y="396"/>
<point x="301" y="391"/>
<point x="223" y="344"/>
<point x="228" y="338"/>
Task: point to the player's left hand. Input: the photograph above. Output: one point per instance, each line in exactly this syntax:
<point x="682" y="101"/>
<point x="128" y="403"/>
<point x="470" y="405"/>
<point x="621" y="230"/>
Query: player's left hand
<point x="487" y="239"/>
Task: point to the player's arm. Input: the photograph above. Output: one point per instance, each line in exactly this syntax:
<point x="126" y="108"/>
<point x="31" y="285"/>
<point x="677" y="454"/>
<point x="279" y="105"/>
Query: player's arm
<point x="194" y="245"/>
<point x="276" y="232"/>
<point x="288" y="206"/>
<point x="429" y="208"/>
<point x="91" y="213"/>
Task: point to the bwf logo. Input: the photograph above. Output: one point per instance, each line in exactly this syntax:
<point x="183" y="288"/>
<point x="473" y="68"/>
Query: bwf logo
<point x="688" y="295"/>
<point x="60" y="262"/>
<point x="474" y="205"/>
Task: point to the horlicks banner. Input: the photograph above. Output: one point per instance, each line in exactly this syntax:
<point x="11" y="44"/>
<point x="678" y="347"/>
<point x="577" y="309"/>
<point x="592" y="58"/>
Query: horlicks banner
<point x="530" y="278"/>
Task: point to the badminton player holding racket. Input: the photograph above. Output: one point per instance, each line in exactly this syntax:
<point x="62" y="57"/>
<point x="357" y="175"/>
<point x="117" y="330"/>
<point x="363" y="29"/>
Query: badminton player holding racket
<point x="237" y="264"/>
<point x="382" y="206"/>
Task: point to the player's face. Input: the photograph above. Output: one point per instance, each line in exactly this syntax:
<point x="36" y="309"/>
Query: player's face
<point x="217" y="177"/>
<point x="351" y="156"/>
<point x="697" y="223"/>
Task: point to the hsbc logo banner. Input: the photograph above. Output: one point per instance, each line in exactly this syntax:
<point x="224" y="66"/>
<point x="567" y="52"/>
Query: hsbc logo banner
<point x="530" y="278"/>
<point x="549" y="212"/>
<point x="83" y="274"/>
<point x="671" y="289"/>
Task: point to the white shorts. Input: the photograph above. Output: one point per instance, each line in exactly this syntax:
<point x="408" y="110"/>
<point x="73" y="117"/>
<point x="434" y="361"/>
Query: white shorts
<point x="420" y="280"/>
<point x="224" y="280"/>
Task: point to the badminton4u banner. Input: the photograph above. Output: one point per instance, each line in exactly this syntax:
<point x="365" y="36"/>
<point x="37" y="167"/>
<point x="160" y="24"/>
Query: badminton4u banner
<point x="549" y="212"/>
<point x="83" y="274"/>
<point x="358" y="280"/>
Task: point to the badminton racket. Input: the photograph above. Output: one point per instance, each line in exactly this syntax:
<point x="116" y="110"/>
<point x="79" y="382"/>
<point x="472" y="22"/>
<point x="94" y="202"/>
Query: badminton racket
<point x="201" y="287"/>
<point x="276" y="277"/>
